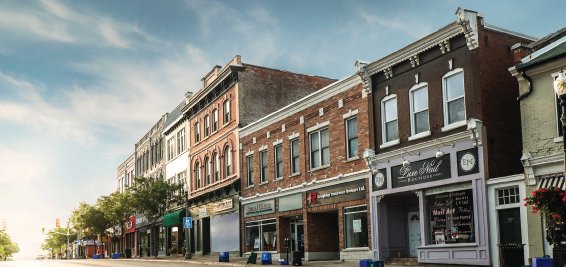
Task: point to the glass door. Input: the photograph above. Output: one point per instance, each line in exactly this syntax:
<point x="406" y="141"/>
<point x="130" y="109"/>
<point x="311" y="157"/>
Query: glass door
<point x="298" y="237"/>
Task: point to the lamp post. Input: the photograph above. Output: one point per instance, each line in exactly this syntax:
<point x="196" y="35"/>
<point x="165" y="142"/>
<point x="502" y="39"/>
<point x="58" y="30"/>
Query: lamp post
<point x="560" y="89"/>
<point x="187" y="230"/>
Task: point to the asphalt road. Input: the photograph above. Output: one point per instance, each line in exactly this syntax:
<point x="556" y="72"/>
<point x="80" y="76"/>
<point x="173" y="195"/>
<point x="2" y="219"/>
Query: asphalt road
<point x="105" y="263"/>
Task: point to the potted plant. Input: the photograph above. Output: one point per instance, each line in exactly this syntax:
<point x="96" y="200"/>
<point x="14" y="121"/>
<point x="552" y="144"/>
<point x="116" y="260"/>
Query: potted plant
<point x="551" y="202"/>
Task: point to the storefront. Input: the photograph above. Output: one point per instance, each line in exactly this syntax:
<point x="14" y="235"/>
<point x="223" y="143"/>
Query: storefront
<point x="129" y="237"/>
<point x="150" y="238"/>
<point x="173" y="223"/>
<point x="216" y="226"/>
<point x="323" y="220"/>
<point x="432" y="206"/>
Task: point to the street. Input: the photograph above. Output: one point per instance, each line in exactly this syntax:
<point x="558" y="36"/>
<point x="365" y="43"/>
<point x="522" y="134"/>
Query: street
<point x="105" y="263"/>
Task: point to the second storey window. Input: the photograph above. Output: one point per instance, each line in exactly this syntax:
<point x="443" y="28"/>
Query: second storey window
<point x="226" y="107"/>
<point x="454" y="101"/>
<point x="320" y="152"/>
<point x="295" y="156"/>
<point x="197" y="132"/>
<point x="171" y="147"/>
<point x="215" y="167"/>
<point x="206" y="171"/>
<point x="206" y="125"/>
<point x="181" y="144"/>
<point x="197" y="175"/>
<point x="250" y="167"/>
<point x="419" y="109"/>
<point x="263" y="166"/>
<point x="278" y="161"/>
<point x="352" y="137"/>
<point x="227" y="161"/>
<point x="389" y="119"/>
<point x="215" y="120"/>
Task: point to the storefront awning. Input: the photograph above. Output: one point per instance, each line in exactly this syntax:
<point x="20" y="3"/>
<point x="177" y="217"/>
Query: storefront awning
<point x="174" y="218"/>
<point x="552" y="181"/>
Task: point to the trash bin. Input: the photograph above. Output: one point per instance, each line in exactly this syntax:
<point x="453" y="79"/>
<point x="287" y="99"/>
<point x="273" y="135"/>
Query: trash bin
<point x="365" y="262"/>
<point x="224" y="257"/>
<point x="128" y="252"/>
<point x="297" y="258"/>
<point x="543" y="262"/>
<point x="266" y="258"/>
<point x="375" y="263"/>
<point x="511" y="255"/>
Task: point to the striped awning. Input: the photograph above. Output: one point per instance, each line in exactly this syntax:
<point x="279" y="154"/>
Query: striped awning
<point x="552" y="181"/>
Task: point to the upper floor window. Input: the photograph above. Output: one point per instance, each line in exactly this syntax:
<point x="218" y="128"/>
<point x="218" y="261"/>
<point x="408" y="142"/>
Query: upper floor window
<point x="206" y="125"/>
<point x="226" y="111"/>
<point x="320" y="151"/>
<point x="197" y="175"/>
<point x="215" y="120"/>
<point x="206" y="171"/>
<point x="454" y="100"/>
<point x="171" y="148"/>
<point x="215" y="166"/>
<point x="390" y="131"/>
<point x="294" y="156"/>
<point x="197" y="132"/>
<point x="263" y="166"/>
<point x="418" y="98"/>
<point x="278" y="151"/>
<point x="250" y="165"/>
<point x="227" y="161"/>
<point x="181" y="141"/>
<point x="352" y="137"/>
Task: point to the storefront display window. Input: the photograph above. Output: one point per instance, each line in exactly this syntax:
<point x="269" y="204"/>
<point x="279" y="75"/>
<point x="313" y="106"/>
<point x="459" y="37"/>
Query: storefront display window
<point x="174" y="240"/>
<point x="356" y="227"/>
<point x="161" y="239"/>
<point x="261" y="236"/>
<point x="451" y="214"/>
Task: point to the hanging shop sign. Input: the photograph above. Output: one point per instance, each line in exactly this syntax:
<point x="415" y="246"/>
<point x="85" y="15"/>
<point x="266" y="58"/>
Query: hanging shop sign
<point x="222" y="205"/>
<point x="130" y="225"/>
<point x="337" y="193"/>
<point x="422" y="171"/>
<point x="141" y="221"/>
<point x="259" y="208"/>
<point x="379" y="180"/>
<point x="468" y="161"/>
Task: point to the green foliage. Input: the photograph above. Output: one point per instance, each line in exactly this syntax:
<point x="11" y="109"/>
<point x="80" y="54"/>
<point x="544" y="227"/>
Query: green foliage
<point x="7" y="246"/>
<point x="56" y="239"/>
<point x="151" y="197"/>
<point x="551" y="202"/>
<point x="90" y="220"/>
<point x="116" y="207"/>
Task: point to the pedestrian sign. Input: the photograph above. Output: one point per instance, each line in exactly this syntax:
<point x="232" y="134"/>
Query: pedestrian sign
<point x="187" y="222"/>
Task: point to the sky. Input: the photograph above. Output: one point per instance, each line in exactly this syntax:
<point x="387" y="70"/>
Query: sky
<point x="82" y="81"/>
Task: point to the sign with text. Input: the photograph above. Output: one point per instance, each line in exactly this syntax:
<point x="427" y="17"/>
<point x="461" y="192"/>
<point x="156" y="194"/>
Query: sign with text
<point x="337" y="193"/>
<point x="188" y="222"/>
<point x="259" y="208"/>
<point x="222" y="205"/>
<point x="422" y="171"/>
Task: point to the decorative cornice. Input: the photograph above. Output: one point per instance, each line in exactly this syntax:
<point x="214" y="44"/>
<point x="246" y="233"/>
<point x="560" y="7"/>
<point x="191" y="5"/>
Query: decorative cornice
<point x="468" y="21"/>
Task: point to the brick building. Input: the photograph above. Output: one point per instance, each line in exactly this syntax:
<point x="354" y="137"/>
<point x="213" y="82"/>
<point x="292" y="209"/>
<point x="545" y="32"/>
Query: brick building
<point x="303" y="176"/>
<point x="445" y="120"/>
<point x="230" y="98"/>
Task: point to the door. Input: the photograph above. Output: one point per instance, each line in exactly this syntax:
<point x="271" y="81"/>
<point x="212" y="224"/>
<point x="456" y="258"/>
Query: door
<point x="414" y="225"/>
<point x="510" y="226"/>
<point x="298" y="237"/>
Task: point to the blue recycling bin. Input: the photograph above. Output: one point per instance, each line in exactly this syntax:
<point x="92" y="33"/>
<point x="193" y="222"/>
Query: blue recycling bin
<point x="224" y="257"/>
<point x="543" y="262"/>
<point x="365" y="262"/>
<point x="266" y="258"/>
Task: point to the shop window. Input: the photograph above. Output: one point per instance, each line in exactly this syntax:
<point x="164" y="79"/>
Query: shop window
<point x="295" y="156"/>
<point x="508" y="195"/>
<point x="278" y="161"/>
<point x="261" y="236"/>
<point x="454" y="100"/>
<point x="356" y="227"/>
<point x="451" y="216"/>
<point x="352" y="137"/>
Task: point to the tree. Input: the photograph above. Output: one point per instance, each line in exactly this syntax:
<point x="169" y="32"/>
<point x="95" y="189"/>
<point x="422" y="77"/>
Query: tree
<point x="116" y="207"/>
<point x="7" y="246"/>
<point x="151" y="197"/>
<point x="56" y="240"/>
<point x="90" y="220"/>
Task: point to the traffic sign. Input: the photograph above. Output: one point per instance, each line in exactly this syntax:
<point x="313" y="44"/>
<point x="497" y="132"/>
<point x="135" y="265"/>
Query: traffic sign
<point x="188" y="222"/>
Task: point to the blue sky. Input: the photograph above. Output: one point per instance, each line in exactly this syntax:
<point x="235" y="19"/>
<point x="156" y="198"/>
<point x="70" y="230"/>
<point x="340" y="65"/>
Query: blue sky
<point x="82" y="81"/>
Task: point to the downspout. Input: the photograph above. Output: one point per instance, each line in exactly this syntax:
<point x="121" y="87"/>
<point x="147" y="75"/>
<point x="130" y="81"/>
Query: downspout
<point x="530" y="88"/>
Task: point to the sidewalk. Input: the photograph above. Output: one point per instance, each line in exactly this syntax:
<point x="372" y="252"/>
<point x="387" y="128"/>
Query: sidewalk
<point x="237" y="261"/>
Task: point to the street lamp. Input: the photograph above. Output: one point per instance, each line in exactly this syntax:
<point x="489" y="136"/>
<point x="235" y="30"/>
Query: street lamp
<point x="560" y="89"/>
<point x="187" y="230"/>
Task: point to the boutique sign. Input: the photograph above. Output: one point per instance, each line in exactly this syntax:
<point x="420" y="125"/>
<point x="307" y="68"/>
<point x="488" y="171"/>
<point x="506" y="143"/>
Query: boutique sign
<point x="421" y="171"/>
<point x="259" y="208"/>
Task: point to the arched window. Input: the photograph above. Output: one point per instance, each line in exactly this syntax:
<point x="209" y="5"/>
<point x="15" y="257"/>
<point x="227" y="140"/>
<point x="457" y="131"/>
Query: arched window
<point x="215" y="166"/>
<point x="197" y="175"/>
<point x="215" y="120"/>
<point x="206" y="171"/>
<point x="206" y="125"/>
<point x="227" y="161"/>
<point x="226" y="107"/>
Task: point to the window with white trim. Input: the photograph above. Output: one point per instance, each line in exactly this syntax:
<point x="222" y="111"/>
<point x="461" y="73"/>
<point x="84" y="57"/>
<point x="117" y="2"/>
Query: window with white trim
<point x="171" y="148"/>
<point x="206" y="125"/>
<point x="215" y="120"/>
<point x="216" y="167"/>
<point x="508" y="195"/>
<point x="352" y="137"/>
<point x="206" y="171"/>
<point x="250" y="165"/>
<point x="295" y="156"/>
<point x="226" y="107"/>
<point x="263" y="166"/>
<point x="181" y="141"/>
<point x="227" y="161"/>
<point x="197" y="132"/>
<point x="278" y="157"/>
<point x="419" y="109"/>
<point x="454" y="97"/>
<point x="389" y="127"/>
<point x="320" y="151"/>
<point x="197" y="175"/>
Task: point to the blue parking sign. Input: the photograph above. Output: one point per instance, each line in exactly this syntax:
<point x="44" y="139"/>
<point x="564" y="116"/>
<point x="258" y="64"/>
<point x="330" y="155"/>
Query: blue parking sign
<point x="188" y="222"/>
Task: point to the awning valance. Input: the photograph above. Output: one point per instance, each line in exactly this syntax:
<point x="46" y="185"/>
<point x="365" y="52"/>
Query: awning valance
<point x="552" y="181"/>
<point x="174" y="218"/>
